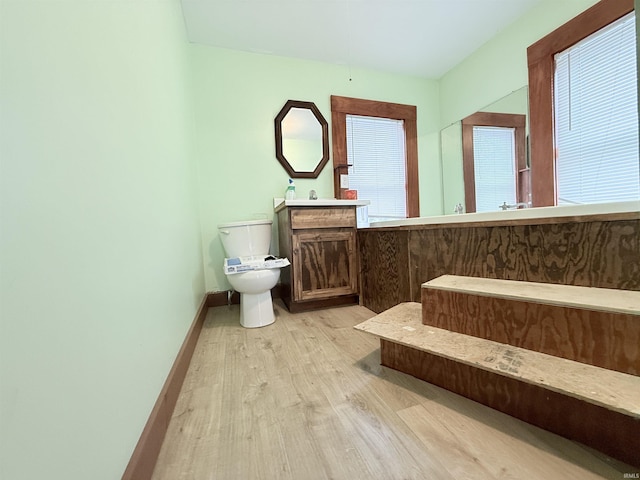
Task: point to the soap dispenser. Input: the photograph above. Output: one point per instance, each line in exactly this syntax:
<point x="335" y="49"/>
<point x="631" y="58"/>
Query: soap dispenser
<point x="291" y="191"/>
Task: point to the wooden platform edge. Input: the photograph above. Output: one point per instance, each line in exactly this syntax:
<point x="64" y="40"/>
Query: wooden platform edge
<point x="612" y="433"/>
<point x="506" y="360"/>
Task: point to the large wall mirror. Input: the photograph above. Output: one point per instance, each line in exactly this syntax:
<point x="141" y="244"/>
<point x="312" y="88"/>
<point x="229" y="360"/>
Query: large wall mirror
<point x="569" y="158"/>
<point x="302" y="139"/>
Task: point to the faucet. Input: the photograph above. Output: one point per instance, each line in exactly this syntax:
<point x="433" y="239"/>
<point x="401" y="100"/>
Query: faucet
<point x="459" y="209"/>
<point x="505" y="206"/>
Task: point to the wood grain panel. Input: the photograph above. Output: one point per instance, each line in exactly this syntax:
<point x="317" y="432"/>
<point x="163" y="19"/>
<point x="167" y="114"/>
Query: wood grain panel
<point x="326" y="264"/>
<point x="447" y="250"/>
<point x="384" y="268"/>
<point x="541" y="143"/>
<point x="468" y="170"/>
<point x="339" y="147"/>
<point x="605" y="339"/>
<point x="320" y="242"/>
<point x="591" y="254"/>
<point x="371" y="108"/>
<point x="315" y="217"/>
<point x="412" y="178"/>
<point x="285" y="250"/>
<point x="610" y="432"/>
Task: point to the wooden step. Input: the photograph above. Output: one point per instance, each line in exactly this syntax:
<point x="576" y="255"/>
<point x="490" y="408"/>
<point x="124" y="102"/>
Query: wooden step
<point x="597" y="326"/>
<point x="613" y="390"/>
<point x="592" y="405"/>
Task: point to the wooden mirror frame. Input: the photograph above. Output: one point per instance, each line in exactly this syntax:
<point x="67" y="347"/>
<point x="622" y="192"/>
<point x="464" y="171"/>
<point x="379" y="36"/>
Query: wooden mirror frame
<point x="293" y="173"/>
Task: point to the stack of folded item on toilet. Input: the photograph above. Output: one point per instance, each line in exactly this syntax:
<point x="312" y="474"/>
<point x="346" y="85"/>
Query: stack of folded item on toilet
<point x="246" y="264"/>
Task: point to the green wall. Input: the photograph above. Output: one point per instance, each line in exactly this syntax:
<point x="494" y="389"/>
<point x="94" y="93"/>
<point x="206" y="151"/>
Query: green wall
<point x="101" y="266"/>
<point x="238" y="96"/>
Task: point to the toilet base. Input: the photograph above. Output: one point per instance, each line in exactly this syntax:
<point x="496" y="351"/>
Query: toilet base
<point x="256" y="309"/>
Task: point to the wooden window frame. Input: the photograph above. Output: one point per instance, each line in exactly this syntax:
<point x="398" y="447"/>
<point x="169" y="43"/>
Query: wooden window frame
<point x="540" y="59"/>
<point x="490" y="119"/>
<point x="343" y="106"/>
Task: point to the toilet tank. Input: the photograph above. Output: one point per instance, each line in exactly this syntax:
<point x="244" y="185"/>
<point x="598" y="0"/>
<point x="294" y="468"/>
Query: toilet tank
<point x="244" y="239"/>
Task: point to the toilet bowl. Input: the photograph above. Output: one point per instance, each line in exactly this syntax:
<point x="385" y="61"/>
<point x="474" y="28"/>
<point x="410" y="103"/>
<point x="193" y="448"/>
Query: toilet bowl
<point x="256" y="306"/>
<point x="244" y="240"/>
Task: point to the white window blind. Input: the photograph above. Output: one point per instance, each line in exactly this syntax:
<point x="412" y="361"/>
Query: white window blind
<point x="596" y="117"/>
<point x="376" y="151"/>
<point x="494" y="166"/>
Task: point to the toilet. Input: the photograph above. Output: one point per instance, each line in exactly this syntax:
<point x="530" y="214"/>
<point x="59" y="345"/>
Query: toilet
<point x="247" y="245"/>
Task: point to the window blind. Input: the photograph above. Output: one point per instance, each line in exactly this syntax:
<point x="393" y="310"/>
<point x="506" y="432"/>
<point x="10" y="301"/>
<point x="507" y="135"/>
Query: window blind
<point x="376" y="151"/>
<point x="596" y="117"/>
<point x="494" y="166"/>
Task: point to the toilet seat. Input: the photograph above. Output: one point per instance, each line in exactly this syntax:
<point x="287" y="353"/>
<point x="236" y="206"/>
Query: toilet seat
<point x="253" y="281"/>
<point x="237" y="265"/>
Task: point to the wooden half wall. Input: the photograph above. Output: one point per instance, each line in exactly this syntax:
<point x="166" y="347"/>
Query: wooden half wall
<point x="592" y="251"/>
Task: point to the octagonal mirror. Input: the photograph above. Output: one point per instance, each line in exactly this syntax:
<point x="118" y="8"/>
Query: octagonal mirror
<point x="302" y="139"/>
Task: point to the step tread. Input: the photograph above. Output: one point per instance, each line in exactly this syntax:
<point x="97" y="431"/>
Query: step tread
<point x="586" y="298"/>
<point x="610" y="389"/>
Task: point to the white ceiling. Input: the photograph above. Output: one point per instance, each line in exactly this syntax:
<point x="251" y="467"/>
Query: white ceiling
<point x="424" y="38"/>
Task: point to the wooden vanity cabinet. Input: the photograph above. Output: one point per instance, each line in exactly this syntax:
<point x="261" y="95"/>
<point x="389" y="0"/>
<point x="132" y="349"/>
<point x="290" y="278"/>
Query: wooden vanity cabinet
<point x="320" y="243"/>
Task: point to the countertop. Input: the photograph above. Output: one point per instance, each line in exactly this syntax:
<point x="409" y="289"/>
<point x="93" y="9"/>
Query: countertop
<point x="526" y="215"/>
<point x="281" y="203"/>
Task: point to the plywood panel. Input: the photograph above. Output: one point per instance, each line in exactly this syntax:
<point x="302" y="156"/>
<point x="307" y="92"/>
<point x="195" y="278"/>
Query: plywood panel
<point x="318" y="217"/>
<point x="325" y="264"/>
<point x="593" y="254"/>
<point x="321" y="245"/>
<point x="384" y="268"/>
<point x="591" y="298"/>
<point x="607" y="339"/>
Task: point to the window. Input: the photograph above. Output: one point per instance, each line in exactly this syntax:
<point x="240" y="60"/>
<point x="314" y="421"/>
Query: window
<point x="376" y="155"/>
<point x="540" y="56"/>
<point x="341" y="107"/>
<point x="596" y="117"/>
<point x="494" y="164"/>
<point x="494" y="154"/>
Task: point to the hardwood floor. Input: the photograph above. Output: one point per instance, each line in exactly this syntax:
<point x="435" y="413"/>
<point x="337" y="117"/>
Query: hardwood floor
<point x="306" y="398"/>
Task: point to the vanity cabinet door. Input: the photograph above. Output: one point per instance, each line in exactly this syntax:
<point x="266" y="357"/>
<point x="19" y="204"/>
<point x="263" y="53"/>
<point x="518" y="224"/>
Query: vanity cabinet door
<point x="324" y="264"/>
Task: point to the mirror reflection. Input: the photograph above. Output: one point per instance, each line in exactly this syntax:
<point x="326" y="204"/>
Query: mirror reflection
<point x="301" y="139"/>
<point x="453" y="152"/>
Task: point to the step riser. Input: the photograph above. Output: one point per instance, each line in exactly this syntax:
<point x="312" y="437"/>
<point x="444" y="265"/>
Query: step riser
<point x="607" y="431"/>
<point x="605" y="339"/>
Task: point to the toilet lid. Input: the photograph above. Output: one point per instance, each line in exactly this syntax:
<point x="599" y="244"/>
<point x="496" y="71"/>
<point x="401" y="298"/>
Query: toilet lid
<point x="245" y="222"/>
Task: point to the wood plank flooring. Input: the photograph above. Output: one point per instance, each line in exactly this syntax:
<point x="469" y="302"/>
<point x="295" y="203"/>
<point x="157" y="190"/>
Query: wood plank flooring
<point x="306" y="399"/>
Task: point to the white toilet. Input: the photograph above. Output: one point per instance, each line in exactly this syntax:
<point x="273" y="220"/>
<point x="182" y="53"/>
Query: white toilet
<point x="251" y="238"/>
